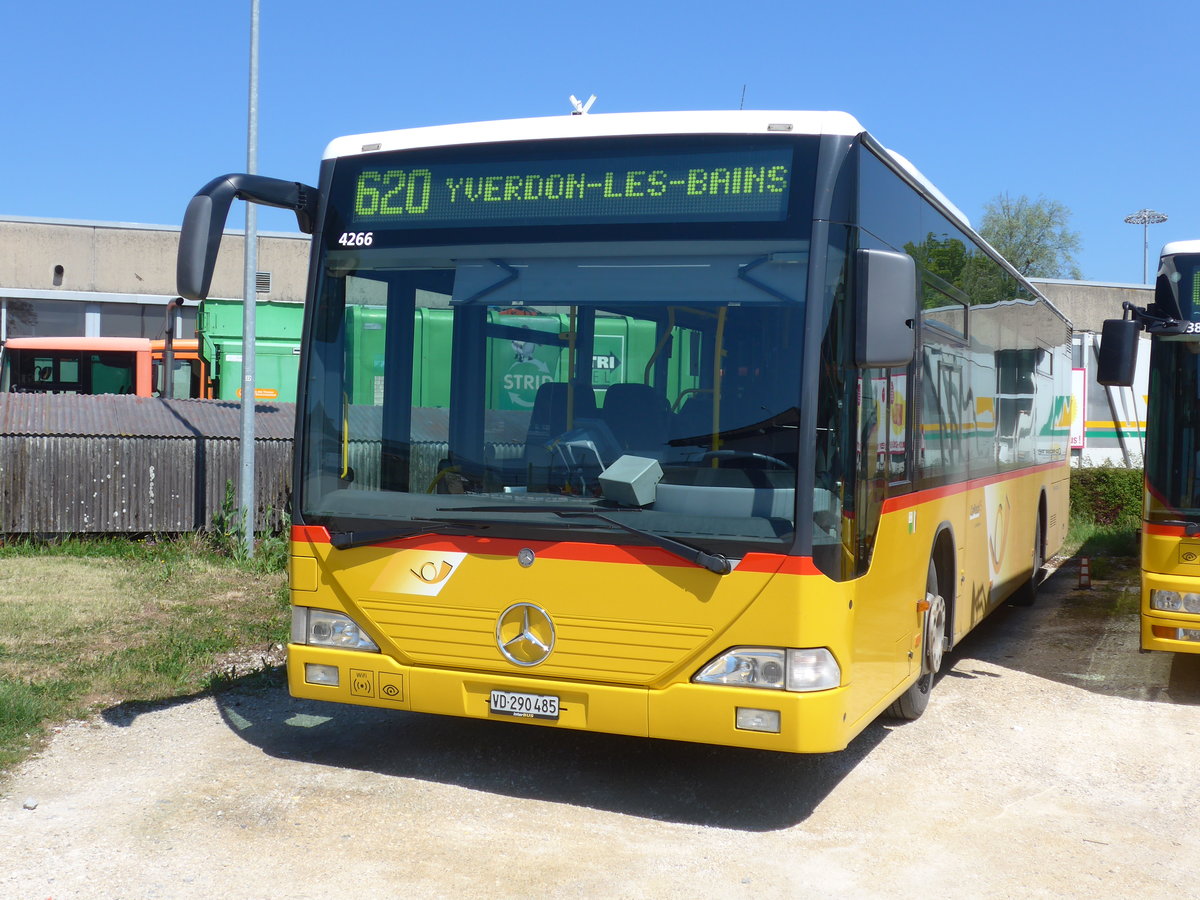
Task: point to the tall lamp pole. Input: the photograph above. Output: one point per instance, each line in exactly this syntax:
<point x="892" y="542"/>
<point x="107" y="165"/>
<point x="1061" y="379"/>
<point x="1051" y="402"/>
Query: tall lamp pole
<point x="246" y="480"/>
<point x="1146" y="218"/>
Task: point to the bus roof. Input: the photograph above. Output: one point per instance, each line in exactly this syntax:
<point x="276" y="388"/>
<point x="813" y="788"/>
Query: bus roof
<point x="740" y="121"/>
<point x="600" y="125"/>
<point x="1174" y="247"/>
<point x="78" y="343"/>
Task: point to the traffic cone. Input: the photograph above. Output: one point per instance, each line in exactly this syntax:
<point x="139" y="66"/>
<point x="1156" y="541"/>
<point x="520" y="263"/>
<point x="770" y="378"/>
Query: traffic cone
<point x="1085" y="572"/>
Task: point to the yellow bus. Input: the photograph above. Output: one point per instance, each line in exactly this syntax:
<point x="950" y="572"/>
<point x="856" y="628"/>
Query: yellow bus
<point x="845" y="443"/>
<point x="1170" y="595"/>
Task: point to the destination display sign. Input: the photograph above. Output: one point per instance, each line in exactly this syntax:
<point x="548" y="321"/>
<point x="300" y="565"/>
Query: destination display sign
<point x="749" y="185"/>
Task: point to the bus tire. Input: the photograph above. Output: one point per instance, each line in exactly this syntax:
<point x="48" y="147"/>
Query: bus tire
<point x="1026" y="594"/>
<point x="912" y="702"/>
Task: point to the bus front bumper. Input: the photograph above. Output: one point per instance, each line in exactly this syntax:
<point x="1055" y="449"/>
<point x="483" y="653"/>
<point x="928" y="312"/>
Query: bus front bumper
<point x="1173" y="631"/>
<point x="813" y="722"/>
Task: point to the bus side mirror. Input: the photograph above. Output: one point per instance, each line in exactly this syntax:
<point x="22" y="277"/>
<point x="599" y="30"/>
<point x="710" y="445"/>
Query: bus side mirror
<point x="886" y="308"/>
<point x="1118" y="353"/>
<point x="204" y="222"/>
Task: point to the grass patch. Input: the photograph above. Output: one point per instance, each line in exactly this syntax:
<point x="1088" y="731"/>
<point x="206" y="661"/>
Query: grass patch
<point x="86" y="624"/>
<point x="1110" y="548"/>
<point x="1090" y="539"/>
<point x="1106" y="518"/>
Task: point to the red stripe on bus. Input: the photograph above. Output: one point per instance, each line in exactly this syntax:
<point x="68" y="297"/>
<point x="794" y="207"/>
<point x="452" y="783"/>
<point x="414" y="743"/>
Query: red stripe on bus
<point x="315" y="534"/>
<point x="1166" y="530"/>
<point x="905" y="501"/>
<point x="767" y="563"/>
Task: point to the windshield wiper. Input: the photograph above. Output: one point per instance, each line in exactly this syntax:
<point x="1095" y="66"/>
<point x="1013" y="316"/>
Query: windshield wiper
<point x="714" y="562"/>
<point x="345" y="540"/>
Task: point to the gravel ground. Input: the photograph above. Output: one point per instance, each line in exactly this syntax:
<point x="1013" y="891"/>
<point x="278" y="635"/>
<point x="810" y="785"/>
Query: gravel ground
<point x="1054" y="761"/>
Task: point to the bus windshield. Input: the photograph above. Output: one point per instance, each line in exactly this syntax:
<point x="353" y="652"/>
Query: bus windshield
<point x="474" y="389"/>
<point x="1173" y="413"/>
<point x="496" y="326"/>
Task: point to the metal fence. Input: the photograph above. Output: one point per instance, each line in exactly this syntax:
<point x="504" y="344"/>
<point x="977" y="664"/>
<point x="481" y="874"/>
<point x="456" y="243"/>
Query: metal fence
<point x="71" y="465"/>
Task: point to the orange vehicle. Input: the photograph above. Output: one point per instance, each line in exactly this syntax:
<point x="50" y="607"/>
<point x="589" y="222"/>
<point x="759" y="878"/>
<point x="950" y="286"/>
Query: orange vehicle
<point x="77" y="365"/>
<point x="108" y="365"/>
<point x="191" y="377"/>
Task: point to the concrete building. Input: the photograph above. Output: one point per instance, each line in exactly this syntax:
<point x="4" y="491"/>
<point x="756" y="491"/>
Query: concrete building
<point x="1088" y="303"/>
<point x="112" y="279"/>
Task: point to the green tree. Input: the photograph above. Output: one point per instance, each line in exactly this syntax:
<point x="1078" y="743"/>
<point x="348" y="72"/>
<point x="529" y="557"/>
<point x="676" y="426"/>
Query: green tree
<point x="1032" y="235"/>
<point x="944" y="257"/>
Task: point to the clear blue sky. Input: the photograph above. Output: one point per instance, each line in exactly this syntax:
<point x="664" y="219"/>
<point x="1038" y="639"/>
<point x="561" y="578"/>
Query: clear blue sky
<point x="121" y="111"/>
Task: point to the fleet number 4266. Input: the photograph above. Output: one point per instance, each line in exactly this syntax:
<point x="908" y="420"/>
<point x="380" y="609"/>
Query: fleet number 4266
<point x="357" y="239"/>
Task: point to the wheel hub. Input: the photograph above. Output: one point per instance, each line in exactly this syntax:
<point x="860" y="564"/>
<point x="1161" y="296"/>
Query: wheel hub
<point x="935" y="631"/>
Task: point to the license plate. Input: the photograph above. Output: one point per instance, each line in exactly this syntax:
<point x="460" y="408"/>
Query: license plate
<point x="523" y="706"/>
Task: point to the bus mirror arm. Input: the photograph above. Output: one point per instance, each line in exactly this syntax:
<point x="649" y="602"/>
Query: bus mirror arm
<point x="204" y="222"/>
<point x="1152" y="322"/>
<point x="1117" y="361"/>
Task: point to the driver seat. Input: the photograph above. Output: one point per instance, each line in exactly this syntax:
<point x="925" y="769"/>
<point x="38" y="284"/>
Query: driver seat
<point x="549" y="418"/>
<point x="637" y="416"/>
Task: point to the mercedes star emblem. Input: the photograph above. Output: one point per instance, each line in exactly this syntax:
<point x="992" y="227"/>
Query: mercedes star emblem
<point x="525" y="634"/>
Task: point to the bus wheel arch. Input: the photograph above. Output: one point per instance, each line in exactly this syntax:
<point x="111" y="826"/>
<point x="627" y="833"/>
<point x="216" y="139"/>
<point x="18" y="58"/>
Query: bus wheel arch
<point x="944" y="557"/>
<point x="936" y="630"/>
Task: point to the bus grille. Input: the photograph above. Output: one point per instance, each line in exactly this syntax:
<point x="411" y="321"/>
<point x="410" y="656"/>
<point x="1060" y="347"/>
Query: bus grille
<point x="591" y="649"/>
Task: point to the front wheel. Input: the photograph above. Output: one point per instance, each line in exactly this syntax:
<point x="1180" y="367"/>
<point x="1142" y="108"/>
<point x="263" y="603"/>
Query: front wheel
<point x="912" y="702"/>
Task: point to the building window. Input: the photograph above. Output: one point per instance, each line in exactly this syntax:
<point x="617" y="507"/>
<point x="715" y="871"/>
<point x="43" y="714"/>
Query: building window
<point x="142" y="320"/>
<point x="45" y="318"/>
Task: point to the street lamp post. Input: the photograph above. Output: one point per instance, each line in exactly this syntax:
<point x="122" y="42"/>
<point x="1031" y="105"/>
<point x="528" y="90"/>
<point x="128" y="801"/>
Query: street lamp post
<point x="1146" y="218"/>
<point x="248" y="504"/>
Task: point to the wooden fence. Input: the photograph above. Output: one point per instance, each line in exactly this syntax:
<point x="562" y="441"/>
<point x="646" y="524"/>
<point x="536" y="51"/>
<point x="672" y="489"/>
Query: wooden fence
<point x="74" y="465"/>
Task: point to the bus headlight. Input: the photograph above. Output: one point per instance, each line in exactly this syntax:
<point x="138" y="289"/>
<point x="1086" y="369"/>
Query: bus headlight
<point x="1166" y="601"/>
<point x="778" y="669"/>
<point x="328" y="629"/>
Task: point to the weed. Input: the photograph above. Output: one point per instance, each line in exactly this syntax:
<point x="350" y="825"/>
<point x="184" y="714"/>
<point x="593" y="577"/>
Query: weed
<point x="228" y="535"/>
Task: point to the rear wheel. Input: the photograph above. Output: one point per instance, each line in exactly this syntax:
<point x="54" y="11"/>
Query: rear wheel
<point x="912" y="702"/>
<point x="1027" y="592"/>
